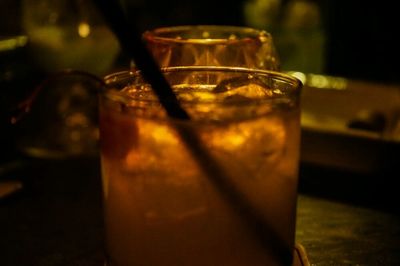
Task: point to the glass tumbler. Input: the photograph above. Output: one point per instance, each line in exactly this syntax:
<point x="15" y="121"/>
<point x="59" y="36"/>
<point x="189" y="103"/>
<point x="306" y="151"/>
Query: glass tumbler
<point x="212" y="45"/>
<point x="160" y="206"/>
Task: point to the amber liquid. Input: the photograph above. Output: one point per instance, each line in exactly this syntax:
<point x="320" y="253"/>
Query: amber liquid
<point x="161" y="210"/>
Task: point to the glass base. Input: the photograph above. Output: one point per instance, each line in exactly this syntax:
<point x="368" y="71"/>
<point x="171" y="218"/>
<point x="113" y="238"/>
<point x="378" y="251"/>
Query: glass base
<point x="299" y="257"/>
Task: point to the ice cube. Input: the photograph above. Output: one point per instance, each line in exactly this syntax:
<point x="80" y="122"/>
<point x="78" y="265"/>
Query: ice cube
<point x="242" y="88"/>
<point x="160" y="153"/>
<point x="252" y="143"/>
<point x="143" y="92"/>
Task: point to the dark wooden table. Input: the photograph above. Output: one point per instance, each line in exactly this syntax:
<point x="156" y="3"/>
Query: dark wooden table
<point x="57" y="220"/>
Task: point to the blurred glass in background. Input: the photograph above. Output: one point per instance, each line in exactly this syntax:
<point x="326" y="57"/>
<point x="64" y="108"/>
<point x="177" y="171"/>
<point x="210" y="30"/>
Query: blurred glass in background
<point x="205" y="45"/>
<point x="64" y="34"/>
<point x="297" y="28"/>
<point x="62" y="120"/>
<point x="68" y="34"/>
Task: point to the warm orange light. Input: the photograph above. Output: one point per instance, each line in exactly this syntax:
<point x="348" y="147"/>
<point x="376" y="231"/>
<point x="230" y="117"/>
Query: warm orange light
<point x="83" y="29"/>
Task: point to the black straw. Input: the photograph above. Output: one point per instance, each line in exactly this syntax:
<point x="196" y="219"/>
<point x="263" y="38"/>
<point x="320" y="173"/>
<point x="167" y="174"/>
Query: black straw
<point x="131" y="42"/>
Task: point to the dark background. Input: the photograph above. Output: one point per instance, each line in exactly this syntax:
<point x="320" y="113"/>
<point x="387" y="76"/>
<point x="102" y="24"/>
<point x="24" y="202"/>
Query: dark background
<point x="361" y="35"/>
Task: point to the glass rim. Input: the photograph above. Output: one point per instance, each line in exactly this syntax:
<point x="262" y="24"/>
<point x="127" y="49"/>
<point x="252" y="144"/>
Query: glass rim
<point x="245" y="33"/>
<point x="127" y="75"/>
<point x="281" y="75"/>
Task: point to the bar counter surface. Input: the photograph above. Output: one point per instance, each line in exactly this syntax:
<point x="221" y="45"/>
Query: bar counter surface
<point x="57" y="220"/>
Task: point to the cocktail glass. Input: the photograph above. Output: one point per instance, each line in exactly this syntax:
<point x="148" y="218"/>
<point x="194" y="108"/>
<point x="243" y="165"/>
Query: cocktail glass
<point x="160" y="207"/>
